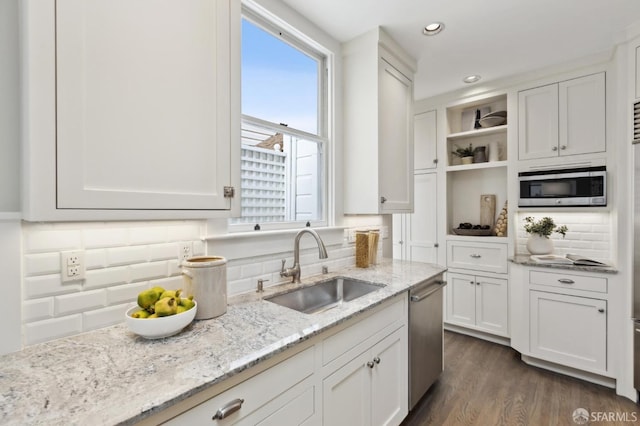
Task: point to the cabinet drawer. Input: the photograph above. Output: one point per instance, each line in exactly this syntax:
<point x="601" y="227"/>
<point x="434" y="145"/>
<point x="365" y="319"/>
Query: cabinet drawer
<point x="339" y="343"/>
<point x="568" y="281"/>
<point x="476" y="256"/>
<point x="263" y="394"/>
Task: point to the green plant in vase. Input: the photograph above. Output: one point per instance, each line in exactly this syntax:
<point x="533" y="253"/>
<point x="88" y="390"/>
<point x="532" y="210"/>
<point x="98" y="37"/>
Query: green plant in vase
<point x="539" y="232"/>
<point x="465" y="154"/>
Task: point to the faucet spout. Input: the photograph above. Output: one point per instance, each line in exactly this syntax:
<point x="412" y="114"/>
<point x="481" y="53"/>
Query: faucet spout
<point x="294" y="271"/>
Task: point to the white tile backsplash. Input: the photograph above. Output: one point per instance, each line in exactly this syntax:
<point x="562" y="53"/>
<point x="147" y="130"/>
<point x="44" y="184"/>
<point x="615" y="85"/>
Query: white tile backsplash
<point x="123" y="258"/>
<point x="590" y="234"/>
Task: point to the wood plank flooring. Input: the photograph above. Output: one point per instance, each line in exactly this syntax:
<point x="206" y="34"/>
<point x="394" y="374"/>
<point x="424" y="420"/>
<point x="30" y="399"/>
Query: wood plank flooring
<point x="487" y="384"/>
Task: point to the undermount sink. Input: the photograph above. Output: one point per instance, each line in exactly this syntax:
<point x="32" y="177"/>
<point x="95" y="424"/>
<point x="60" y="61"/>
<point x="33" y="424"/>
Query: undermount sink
<point x="324" y="295"/>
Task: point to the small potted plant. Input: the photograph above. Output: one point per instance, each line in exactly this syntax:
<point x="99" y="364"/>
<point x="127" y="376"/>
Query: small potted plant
<point x="539" y="232"/>
<point x="465" y="154"/>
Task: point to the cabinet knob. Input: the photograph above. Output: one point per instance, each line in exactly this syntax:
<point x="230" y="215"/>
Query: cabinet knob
<point x="563" y="147"/>
<point x="436" y="245"/>
<point x="370" y="364"/>
<point x="477" y="282"/>
<point x="554" y="148"/>
<point x="383" y="200"/>
<point x="376" y="360"/>
<point x="472" y="282"/>
<point x="601" y="310"/>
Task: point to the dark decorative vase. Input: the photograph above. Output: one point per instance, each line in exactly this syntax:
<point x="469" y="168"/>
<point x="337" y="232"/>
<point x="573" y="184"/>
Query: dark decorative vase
<point x="479" y="155"/>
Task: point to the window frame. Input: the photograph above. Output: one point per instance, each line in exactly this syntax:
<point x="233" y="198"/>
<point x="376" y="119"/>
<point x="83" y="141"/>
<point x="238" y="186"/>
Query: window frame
<point x="306" y="45"/>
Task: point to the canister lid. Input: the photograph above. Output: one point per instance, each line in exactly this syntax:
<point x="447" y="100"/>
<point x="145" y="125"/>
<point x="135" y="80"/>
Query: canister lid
<point x="204" y="261"/>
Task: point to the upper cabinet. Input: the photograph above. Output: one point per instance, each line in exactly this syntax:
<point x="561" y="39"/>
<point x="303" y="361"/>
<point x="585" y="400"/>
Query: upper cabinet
<point x="378" y="125"/>
<point x="130" y="114"/>
<point x="425" y="141"/>
<point x="565" y="118"/>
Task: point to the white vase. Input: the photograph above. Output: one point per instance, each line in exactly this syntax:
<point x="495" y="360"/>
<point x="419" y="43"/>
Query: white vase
<point x="537" y="244"/>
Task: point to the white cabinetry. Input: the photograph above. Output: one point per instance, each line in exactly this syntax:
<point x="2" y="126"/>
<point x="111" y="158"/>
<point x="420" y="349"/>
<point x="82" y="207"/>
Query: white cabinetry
<point x="425" y="136"/>
<point x="281" y="395"/>
<point x="356" y="373"/>
<point x="637" y="59"/>
<point x="378" y="126"/>
<point x="560" y="317"/>
<point x="371" y="389"/>
<point x="565" y="118"/>
<point x="415" y="235"/>
<point x="130" y="114"/>
<point x="477" y="290"/>
<point x="480" y="302"/>
<point x="569" y="330"/>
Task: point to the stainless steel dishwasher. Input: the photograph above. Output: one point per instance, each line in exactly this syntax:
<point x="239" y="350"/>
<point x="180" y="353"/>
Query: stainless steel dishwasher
<point x="425" y="337"/>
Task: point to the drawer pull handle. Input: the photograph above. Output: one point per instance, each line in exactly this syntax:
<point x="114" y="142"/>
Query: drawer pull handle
<point x="566" y="281"/>
<point x="228" y="409"/>
<point x="475" y="256"/>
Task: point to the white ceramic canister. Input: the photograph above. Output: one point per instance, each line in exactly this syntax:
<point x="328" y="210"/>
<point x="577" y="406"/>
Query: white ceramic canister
<point x="205" y="278"/>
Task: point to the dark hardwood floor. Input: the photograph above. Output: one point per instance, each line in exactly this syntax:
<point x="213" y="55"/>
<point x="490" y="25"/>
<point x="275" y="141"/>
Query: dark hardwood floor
<point x="487" y="384"/>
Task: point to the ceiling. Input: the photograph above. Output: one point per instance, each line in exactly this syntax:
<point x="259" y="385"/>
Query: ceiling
<point x="492" y="38"/>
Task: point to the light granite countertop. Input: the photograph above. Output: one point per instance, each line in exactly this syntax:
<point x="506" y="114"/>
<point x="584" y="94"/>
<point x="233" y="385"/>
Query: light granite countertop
<point x="525" y="259"/>
<point x="111" y="376"/>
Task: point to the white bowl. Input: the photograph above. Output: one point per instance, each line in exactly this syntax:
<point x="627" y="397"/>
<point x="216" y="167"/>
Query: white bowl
<point x="492" y="121"/>
<point x="157" y="328"/>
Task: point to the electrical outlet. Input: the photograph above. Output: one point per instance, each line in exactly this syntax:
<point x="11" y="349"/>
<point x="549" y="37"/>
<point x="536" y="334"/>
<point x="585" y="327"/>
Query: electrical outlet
<point x="185" y="251"/>
<point x="72" y="265"/>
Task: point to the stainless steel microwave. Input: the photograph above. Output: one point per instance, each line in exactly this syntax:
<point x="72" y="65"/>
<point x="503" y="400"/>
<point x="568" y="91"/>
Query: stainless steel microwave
<point x="586" y="186"/>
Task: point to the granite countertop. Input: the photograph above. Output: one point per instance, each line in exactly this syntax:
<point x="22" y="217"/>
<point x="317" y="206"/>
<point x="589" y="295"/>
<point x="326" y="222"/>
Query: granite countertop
<point x="111" y="376"/>
<point x="525" y="259"/>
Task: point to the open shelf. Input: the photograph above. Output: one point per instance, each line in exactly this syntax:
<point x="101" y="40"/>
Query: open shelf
<point x="476" y="166"/>
<point x="478" y="132"/>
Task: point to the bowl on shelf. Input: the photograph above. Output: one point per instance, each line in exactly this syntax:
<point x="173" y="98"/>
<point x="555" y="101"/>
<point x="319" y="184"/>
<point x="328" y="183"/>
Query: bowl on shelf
<point x="157" y="328"/>
<point x="493" y="119"/>
<point x="473" y="232"/>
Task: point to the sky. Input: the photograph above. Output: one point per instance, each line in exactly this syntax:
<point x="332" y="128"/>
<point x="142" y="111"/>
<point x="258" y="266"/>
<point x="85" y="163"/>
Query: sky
<point x="279" y="83"/>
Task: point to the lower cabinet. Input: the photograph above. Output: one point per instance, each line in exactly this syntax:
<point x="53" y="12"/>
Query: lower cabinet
<point x="478" y="302"/>
<point x="281" y="395"/>
<point x="354" y="374"/>
<point x="568" y="330"/>
<point x="370" y="389"/>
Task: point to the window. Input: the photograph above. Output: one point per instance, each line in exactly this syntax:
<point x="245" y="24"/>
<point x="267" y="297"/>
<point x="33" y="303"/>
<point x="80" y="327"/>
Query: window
<point x="284" y="136"/>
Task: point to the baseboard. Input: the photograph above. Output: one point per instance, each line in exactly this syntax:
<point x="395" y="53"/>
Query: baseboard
<point x="505" y="341"/>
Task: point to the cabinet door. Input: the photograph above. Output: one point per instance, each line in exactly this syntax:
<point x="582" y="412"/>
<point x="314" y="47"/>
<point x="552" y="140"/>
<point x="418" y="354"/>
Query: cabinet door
<point x="582" y="115"/>
<point x="538" y="122"/>
<point x="422" y="225"/>
<point x="395" y="136"/>
<point x="347" y="394"/>
<point x="461" y="299"/>
<point x="143" y="104"/>
<point x="492" y="305"/>
<point x="425" y="141"/>
<point x="389" y="385"/>
<point x="569" y="330"/>
<point x="398" y="235"/>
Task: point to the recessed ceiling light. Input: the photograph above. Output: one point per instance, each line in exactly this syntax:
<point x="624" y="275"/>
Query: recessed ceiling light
<point x="433" y="28"/>
<point x="471" y="78"/>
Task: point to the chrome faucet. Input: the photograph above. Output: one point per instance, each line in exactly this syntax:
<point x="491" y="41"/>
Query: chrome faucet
<point x="294" y="271"/>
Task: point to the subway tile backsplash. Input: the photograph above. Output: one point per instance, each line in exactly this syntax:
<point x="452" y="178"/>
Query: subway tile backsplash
<point x="589" y="234"/>
<point x="124" y="258"/>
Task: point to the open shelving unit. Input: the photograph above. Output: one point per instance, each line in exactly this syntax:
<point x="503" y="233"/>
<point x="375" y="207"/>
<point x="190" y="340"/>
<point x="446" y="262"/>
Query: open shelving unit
<point x="466" y="183"/>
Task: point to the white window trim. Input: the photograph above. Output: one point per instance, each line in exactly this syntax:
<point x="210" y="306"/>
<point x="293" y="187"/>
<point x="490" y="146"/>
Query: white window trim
<point x="261" y="17"/>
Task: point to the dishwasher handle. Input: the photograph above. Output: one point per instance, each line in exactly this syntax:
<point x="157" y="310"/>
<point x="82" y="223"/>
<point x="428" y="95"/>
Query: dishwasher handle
<point x="432" y="289"/>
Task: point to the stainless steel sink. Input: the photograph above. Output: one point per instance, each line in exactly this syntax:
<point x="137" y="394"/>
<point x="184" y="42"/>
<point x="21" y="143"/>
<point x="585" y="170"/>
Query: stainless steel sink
<point x="324" y="295"/>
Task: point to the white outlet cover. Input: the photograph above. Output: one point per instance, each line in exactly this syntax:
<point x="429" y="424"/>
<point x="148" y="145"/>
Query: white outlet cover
<point x="72" y="266"/>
